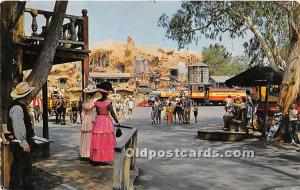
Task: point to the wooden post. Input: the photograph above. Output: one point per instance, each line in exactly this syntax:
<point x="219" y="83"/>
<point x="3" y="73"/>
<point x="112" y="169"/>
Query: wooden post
<point x="86" y="44"/>
<point x="134" y="146"/>
<point x="259" y="92"/>
<point x="45" y="119"/>
<point x="85" y="61"/>
<point x="266" y="104"/>
<point x="82" y="78"/>
<point x="6" y="158"/>
<point x="118" y="173"/>
<point x="127" y="173"/>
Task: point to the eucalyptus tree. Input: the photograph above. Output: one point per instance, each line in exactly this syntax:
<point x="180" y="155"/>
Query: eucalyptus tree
<point x="275" y="27"/>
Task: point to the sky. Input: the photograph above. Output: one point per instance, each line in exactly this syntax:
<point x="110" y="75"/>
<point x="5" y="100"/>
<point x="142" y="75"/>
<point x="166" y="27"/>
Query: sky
<point x="118" y="19"/>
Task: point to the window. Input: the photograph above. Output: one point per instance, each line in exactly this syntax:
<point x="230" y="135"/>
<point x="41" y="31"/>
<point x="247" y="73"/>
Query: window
<point x="200" y="88"/>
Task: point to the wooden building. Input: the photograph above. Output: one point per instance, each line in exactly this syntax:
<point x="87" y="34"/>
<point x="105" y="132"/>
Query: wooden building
<point x="73" y="46"/>
<point x="198" y="77"/>
<point x="218" y="81"/>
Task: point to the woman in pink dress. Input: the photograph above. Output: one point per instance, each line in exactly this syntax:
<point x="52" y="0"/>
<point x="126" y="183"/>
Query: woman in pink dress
<point x="88" y="116"/>
<point x="103" y="137"/>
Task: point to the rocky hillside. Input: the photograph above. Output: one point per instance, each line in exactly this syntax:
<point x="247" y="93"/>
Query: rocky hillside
<point x="111" y="56"/>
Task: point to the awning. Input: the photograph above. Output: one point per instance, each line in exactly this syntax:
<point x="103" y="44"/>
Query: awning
<point x="255" y="76"/>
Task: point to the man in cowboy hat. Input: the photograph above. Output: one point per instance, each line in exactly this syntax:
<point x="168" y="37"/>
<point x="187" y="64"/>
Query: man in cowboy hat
<point x="19" y="124"/>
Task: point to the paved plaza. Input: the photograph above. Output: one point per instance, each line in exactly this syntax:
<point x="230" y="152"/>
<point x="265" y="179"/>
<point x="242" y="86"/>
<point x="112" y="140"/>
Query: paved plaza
<point x="273" y="167"/>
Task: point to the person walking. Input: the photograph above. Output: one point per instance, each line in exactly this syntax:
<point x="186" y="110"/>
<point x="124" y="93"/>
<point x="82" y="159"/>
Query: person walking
<point x="157" y="110"/>
<point x="118" y="108"/>
<point x="152" y="114"/>
<point x="122" y="109"/>
<point x="21" y="142"/>
<point x="293" y="124"/>
<point x="103" y="139"/>
<point x="250" y="107"/>
<point x="63" y="111"/>
<point x="130" y="106"/>
<point x="180" y="111"/>
<point x="195" y="109"/>
<point x="169" y="110"/>
<point x="187" y="109"/>
<point x="74" y="109"/>
<point x="88" y="117"/>
<point x="174" y="104"/>
<point x="37" y="104"/>
<point x="57" y="108"/>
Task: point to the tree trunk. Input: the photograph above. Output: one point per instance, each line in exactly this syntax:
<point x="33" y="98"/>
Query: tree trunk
<point x="291" y="78"/>
<point x="9" y="72"/>
<point x="44" y="63"/>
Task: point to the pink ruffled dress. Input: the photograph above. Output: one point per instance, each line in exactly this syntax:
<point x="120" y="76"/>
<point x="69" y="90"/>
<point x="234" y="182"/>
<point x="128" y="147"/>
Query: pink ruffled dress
<point x="103" y="137"/>
<point x="86" y="130"/>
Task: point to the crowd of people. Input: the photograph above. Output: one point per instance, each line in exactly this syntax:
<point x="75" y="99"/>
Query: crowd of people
<point x="97" y="134"/>
<point x="244" y="110"/>
<point x="176" y="110"/>
<point x="124" y="107"/>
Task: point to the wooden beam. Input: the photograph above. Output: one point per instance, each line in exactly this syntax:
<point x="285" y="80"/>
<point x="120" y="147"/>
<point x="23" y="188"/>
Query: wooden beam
<point x="259" y="93"/>
<point x="6" y="158"/>
<point x="38" y="38"/>
<point x="46" y="150"/>
<point x="85" y="46"/>
<point x="82" y="80"/>
<point x="266" y="106"/>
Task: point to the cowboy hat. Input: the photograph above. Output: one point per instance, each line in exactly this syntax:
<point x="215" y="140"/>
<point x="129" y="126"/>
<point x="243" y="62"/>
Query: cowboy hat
<point x="90" y="89"/>
<point x="21" y="90"/>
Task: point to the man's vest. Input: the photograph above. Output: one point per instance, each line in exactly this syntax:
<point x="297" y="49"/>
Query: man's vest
<point x="27" y="122"/>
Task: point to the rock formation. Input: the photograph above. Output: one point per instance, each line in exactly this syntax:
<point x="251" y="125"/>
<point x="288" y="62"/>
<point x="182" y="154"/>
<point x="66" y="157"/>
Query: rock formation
<point x="144" y="64"/>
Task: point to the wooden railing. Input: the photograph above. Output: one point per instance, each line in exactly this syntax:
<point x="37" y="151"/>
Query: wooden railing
<point x="123" y="163"/>
<point x="75" y="29"/>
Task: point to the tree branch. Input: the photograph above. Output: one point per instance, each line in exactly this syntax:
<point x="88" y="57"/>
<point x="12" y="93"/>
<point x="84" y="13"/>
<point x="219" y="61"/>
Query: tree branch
<point x="44" y="63"/>
<point x="275" y="60"/>
<point x="289" y="10"/>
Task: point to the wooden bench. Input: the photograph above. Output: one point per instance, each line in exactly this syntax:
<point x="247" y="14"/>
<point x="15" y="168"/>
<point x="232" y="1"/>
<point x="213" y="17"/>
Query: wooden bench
<point x="41" y="144"/>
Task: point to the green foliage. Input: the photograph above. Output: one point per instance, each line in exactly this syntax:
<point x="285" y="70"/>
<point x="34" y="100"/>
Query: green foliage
<point x="210" y="19"/>
<point x="221" y="62"/>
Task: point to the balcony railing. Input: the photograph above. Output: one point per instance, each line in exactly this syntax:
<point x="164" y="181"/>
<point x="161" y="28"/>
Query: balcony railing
<point x="75" y="29"/>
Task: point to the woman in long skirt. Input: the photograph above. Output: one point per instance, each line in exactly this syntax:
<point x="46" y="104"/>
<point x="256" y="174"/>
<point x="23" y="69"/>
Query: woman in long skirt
<point x="169" y="110"/>
<point x="103" y="137"/>
<point x="87" y="122"/>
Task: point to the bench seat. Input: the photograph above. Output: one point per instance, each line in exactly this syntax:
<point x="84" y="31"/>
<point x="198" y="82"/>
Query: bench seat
<point x="42" y="145"/>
